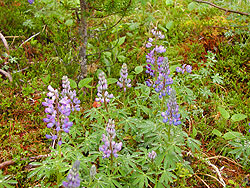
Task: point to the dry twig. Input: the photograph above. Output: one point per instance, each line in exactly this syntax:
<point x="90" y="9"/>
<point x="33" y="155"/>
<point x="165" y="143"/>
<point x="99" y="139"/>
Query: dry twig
<point x="230" y="160"/>
<point x="4" y="42"/>
<point x="11" y="162"/>
<point x="221" y="8"/>
<point x="202" y="180"/>
<point x="6" y="74"/>
<point x="29" y="39"/>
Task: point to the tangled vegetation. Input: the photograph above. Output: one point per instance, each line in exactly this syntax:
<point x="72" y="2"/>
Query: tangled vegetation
<point x="124" y="93"/>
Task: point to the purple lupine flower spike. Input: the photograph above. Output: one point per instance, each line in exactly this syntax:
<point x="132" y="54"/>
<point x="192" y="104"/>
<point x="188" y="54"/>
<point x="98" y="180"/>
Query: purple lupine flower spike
<point x="189" y="68"/>
<point x="123" y="80"/>
<point x="172" y="115"/>
<point x="102" y="94"/>
<point x="31" y="1"/>
<point x="66" y="92"/>
<point x="184" y="68"/>
<point x="158" y="67"/>
<point x="58" y="108"/>
<point x="110" y="147"/>
<point x="73" y="179"/>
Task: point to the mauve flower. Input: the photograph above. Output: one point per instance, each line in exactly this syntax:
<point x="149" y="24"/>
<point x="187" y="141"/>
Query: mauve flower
<point x="123" y="80"/>
<point x="160" y="49"/>
<point x="172" y="115"/>
<point x="152" y="155"/>
<point x="102" y="94"/>
<point x="148" y="45"/>
<point x="189" y="68"/>
<point x="31" y="1"/>
<point x="58" y="108"/>
<point x="110" y="147"/>
<point x="73" y="179"/>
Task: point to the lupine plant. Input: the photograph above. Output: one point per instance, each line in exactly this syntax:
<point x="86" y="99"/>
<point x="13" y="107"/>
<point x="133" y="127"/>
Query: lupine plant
<point x="58" y="108"/>
<point x="151" y="143"/>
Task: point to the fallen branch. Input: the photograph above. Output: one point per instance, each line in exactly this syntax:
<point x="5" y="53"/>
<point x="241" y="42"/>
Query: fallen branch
<point x="223" y="184"/>
<point x="29" y="39"/>
<point x="6" y="74"/>
<point x="4" y="42"/>
<point x="202" y="180"/>
<point x="6" y="163"/>
<point x="230" y="160"/>
<point x="11" y="162"/>
<point x="221" y="8"/>
<point x="220" y="180"/>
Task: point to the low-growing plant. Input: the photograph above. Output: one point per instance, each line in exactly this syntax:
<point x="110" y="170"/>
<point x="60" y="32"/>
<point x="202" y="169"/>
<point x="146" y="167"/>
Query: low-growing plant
<point x="138" y="147"/>
<point x="5" y="181"/>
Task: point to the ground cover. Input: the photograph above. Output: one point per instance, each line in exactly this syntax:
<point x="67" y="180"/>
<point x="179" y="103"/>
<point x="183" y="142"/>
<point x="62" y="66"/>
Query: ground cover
<point x="210" y="148"/>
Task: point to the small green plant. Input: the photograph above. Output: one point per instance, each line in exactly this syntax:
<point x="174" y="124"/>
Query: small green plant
<point x="5" y="181"/>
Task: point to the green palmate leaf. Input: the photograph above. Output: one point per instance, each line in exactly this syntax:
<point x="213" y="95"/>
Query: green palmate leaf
<point x="119" y="41"/>
<point x="108" y="64"/>
<point x="138" y="69"/>
<point x="170" y="25"/>
<point x="121" y="58"/>
<point x="111" y="81"/>
<point x="167" y="177"/>
<point x="116" y="183"/>
<point x="46" y="79"/>
<point x="145" y="109"/>
<point x="85" y="82"/>
<point x="217" y="79"/>
<point x="73" y="84"/>
<point x="237" y="152"/>
<point x="217" y="132"/>
<point x="232" y="135"/>
<point x="192" y="6"/>
<point x="193" y="144"/>
<point x="33" y="172"/>
<point x="133" y="26"/>
<point x="225" y="114"/>
<point x="238" y="117"/>
<point x="107" y="54"/>
<point x="69" y="22"/>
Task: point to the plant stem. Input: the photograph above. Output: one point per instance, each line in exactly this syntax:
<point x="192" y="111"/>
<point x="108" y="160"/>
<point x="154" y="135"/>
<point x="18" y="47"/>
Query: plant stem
<point x="169" y="128"/>
<point x="59" y="175"/>
<point x="105" y="104"/>
<point x="162" y="103"/>
<point x="124" y="97"/>
<point x="110" y="145"/>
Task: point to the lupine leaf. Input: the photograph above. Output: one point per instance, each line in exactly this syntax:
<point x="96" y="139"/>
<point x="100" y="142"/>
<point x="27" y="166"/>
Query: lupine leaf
<point x="170" y="25"/>
<point x="111" y="81"/>
<point x="193" y="144"/>
<point x="73" y="84"/>
<point x="167" y="177"/>
<point x="232" y="135"/>
<point x="238" y="117"/>
<point x="192" y="6"/>
<point x="224" y="113"/>
<point x="169" y="2"/>
<point x="138" y="69"/>
<point x="84" y="82"/>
